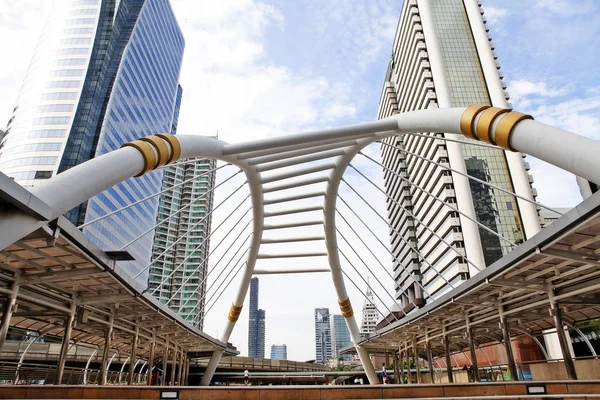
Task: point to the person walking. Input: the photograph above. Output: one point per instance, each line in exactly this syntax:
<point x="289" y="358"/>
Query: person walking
<point x="246" y="377"/>
<point x="383" y="374"/>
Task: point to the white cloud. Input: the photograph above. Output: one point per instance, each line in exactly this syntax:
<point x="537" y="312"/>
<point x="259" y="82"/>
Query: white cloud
<point x="522" y="88"/>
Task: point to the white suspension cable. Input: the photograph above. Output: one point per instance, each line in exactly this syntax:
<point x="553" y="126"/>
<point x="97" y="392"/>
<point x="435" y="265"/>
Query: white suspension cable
<point x="192" y="227"/>
<point x="223" y="281"/>
<point x="208" y="255"/>
<point x="444" y="203"/>
<point x="226" y="266"/>
<point x="471" y="177"/>
<point x="401" y="236"/>
<point x="149" y="197"/>
<point x="394" y="258"/>
<point x="225" y="288"/>
<point x="366" y="297"/>
<point x="369" y="269"/>
<point x="180" y="210"/>
<point x="410" y="214"/>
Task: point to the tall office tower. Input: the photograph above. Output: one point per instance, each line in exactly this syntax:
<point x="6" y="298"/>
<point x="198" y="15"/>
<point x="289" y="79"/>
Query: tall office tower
<point x="340" y="337"/>
<point x="256" y="324"/>
<point x="322" y="335"/>
<point x="181" y="243"/>
<point x="369" y="314"/>
<point x="105" y="72"/>
<point x="443" y="57"/>
<point x="278" y="352"/>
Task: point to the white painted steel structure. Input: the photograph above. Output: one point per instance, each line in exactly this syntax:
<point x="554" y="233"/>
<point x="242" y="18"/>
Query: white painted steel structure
<point x="327" y="152"/>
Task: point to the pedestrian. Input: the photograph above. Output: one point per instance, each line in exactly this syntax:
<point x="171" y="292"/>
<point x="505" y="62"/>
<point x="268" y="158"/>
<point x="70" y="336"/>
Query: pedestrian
<point x="246" y="377"/>
<point x="361" y="381"/>
<point x="383" y="374"/>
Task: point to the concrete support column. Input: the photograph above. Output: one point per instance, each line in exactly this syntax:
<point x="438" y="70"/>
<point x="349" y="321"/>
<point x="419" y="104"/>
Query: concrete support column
<point x="448" y="359"/>
<point x="133" y="355"/>
<point x="165" y="365"/>
<point x="8" y="309"/>
<point x="430" y="362"/>
<point x="64" y="347"/>
<point x="151" y="357"/>
<point x="174" y="364"/>
<point x="416" y="356"/>
<point x="396" y="367"/>
<point x="562" y="337"/>
<point x="473" y="351"/>
<point x="107" y="340"/>
<point x="512" y="365"/>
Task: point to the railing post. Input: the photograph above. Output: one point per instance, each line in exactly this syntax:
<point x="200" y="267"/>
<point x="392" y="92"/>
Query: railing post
<point x="562" y="338"/>
<point x="8" y="309"/>
<point x="64" y="348"/>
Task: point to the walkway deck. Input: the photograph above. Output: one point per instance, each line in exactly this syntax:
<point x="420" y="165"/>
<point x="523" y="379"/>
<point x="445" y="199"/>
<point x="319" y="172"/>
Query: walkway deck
<point x="504" y="390"/>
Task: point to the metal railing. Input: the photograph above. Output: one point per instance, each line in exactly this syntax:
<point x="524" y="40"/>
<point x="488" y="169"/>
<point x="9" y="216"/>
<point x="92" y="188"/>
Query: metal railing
<point x="44" y="374"/>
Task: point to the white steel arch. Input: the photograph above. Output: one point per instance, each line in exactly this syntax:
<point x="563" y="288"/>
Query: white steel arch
<point x="328" y="151"/>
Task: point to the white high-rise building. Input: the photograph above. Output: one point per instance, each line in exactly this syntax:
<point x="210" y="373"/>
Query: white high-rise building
<point x="369" y="314"/>
<point x="443" y="57"/>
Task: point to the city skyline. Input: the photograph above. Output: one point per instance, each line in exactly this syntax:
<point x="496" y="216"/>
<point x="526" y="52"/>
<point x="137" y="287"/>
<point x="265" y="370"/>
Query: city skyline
<point x="527" y="92"/>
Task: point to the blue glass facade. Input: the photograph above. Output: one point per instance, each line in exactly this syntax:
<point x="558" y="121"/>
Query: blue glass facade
<point x="142" y="102"/>
<point x="105" y="72"/>
<point x="340" y="337"/>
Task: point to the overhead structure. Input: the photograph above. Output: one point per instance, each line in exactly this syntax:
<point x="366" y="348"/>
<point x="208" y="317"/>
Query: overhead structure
<point x="283" y="171"/>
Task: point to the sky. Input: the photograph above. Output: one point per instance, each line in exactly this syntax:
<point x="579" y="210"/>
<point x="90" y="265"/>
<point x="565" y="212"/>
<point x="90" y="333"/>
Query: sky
<point x="253" y="69"/>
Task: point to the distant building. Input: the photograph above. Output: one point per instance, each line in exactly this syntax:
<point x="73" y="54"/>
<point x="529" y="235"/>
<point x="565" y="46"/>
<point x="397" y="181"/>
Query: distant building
<point x="256" y="324"/>
<point x="278" y="352"/>
<point x="369" y="314"/>
<point x="340" y="337"/>
<point x="322" y="335"/>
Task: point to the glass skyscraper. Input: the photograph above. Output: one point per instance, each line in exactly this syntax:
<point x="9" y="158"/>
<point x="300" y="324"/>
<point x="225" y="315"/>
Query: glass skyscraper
<point x="181" y="243"/>
<point x="278" y="352"/>
<point x="256" y="324"/>
<point x="322" y="335"/>
<point x="340" y="337"/>
<point x="443" y="57"/>
<point x="104" y="73"/>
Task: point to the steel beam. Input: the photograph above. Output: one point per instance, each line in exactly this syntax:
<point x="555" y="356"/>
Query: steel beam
<point x="448" y="359"/>
<point x="512" y="365"/>
<point x="473" y="351"/>
<point x="64" y="347"/>
<point x="107" y="341"/>
<point x="134" y="344"/>
<point x="8" y="309"/>
<point x="562" y="337"/>
<point x="151" y="357"/>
